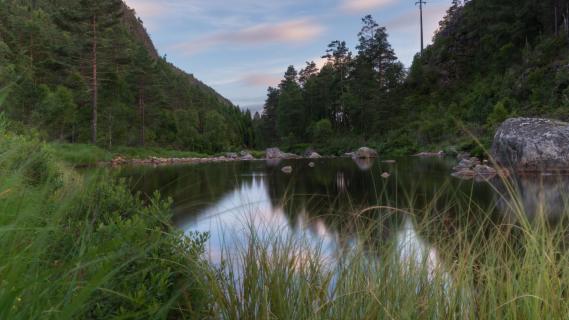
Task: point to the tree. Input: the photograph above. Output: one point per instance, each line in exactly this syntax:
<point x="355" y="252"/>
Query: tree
<point x="92" y="18"/>
<point x="290" y="115"/>
<point x="375" y="49"/>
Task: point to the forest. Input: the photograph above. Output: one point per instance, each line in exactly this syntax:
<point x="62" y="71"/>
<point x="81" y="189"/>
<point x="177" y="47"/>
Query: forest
<point x="87" y="72"/>
<point x="489" y="60"/>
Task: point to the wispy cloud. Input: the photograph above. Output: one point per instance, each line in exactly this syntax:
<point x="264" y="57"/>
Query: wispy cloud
<point x="261" y="79"/>
<point x="294" y="31"/>
<point x="358" y="6"/>
<point x="148" y="9"/>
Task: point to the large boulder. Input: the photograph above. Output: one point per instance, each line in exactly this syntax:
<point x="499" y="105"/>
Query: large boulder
<point x="365" y="153"/>
<point x="532" y="145"/>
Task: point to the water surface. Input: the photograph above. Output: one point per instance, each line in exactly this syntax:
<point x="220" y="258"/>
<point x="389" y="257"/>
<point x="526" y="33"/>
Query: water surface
<point x="320" y="204"/>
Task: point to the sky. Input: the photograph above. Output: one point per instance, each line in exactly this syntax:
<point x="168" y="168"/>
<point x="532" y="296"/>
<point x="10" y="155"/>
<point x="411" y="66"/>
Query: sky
<point x="241" y="47"/>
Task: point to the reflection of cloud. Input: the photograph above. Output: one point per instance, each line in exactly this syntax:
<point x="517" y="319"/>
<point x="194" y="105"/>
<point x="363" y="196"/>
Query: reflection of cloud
<point x="363" y="5"/>
<point x="294" y="31"/>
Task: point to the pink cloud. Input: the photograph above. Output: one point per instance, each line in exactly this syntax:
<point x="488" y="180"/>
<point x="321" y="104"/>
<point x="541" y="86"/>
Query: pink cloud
<point x="147" y="9"/>
<point x="261" y="80"/>
<point x="294" y="31"/>
<point x="363" y="5"/>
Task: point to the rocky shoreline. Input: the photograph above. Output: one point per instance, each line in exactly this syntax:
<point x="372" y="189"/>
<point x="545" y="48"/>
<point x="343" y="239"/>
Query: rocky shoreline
<point x="271" y="154"/>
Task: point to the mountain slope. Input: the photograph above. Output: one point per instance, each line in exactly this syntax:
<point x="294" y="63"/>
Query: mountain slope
<point x="47" y="60"/>
<point x="490" y="60"/>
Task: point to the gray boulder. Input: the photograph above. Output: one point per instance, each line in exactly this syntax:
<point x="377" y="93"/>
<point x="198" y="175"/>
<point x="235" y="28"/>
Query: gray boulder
<point x="275" y="153"/>
<point x="365" y="153"/>
<point x="532" y="145"/>
<point x="231" y="155"/>
<point x="314" y="155"/>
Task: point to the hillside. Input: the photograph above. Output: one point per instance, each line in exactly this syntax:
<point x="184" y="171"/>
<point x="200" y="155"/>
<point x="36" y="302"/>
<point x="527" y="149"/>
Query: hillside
<point x="77" y="81"/>
<point x="489" y="60"/>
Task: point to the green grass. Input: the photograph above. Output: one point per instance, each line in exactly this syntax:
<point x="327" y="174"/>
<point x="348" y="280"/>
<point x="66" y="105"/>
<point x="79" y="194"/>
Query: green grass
<point x="474" y="266"/>
<point x="74" y="248"/>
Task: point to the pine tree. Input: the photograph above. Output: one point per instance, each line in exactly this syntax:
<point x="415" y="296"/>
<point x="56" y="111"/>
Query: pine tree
<point x="92" y="18"/>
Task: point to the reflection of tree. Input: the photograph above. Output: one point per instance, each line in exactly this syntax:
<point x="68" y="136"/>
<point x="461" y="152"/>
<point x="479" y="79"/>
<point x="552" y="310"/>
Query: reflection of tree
<point x="192" y="188"/>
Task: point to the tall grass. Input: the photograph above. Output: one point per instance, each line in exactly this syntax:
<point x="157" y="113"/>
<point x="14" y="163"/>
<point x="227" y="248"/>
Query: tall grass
<point x="448" y="259"/>
<point x="73" y="248"/>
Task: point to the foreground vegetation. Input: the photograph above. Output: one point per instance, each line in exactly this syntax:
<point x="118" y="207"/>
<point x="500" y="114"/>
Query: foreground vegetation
<point x="446" y="260"/>
<point x="78" y="247"/>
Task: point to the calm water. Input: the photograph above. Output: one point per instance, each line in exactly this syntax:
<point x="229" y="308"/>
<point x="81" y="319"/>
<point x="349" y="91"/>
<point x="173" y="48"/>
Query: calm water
<point x="321" y="203"/>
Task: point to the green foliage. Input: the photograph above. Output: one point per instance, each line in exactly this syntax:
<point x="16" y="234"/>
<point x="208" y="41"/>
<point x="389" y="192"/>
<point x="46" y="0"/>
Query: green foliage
<point x="141" y="99"/>
<point x="322" y="130"/>
<point x="489" y="61"/>
<point x="87" y="248"/>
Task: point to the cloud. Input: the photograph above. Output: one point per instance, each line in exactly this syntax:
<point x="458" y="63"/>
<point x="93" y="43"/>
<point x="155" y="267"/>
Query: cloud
<point x="357" y="6"/>
<point x="261" y="80"/>
<point x="148" y="8"/>
<point x="293" y="31"/>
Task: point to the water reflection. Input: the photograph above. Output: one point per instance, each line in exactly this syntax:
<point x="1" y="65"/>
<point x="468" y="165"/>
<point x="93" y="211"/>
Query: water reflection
<point x="536" y="195"/>
<point x="323" y="204"/>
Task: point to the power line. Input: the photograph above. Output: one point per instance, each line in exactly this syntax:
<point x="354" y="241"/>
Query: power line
<point x="421" y="3"/>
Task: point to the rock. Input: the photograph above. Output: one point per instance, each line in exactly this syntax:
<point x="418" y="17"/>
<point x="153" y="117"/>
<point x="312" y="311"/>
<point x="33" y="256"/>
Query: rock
<point x="385" y="175"/>
<point x="364" y="164"/>
<point x="439" y="154"/>
<point x="314" y="155"/>
<point x="118" y="161"/>
<point x="231" y="155"/>
<point x="466" y="164"/>
<point x="532" y="145"/>
<point x="287" y="169"/>
<point x="246" y="155"/>
<point x="462" y="156"/>
<point x="274" y="153"/>
<point x="484" y="170"/>
<point x="464" y="174"/>
<point x="312" y="164"/>
<point x="365" y="153"/>
<point x="389" y="161"/>
<point x="291" y="156"/>
<point x="350" y="154"/>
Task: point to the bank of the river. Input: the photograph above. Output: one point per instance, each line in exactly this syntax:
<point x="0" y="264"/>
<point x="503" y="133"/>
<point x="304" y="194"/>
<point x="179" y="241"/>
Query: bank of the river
<point x="90" y="155"/>
<point x="77" y="247"/>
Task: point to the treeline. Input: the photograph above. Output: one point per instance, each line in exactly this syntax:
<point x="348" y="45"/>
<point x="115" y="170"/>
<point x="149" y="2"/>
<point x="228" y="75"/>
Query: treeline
<point x="86" y="71"/>
<point x="352" y="93"/>
<point x="489" y="60"/>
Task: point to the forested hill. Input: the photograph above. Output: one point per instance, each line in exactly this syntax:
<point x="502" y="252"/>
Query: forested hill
<point x="490" y="59"/>
<point x="86" y="71"/>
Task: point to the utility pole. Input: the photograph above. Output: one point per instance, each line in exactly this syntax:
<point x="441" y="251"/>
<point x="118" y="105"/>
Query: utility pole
<point x="421" y="3"/>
